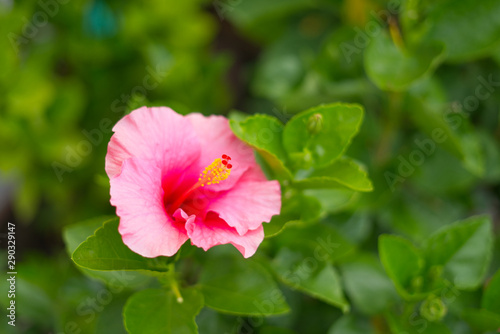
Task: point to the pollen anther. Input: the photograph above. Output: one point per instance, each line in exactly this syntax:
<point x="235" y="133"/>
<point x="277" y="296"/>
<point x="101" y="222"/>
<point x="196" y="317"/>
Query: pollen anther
<point x="216" y="172"/>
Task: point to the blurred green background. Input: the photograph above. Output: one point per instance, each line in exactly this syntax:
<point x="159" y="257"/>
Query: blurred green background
<point x="70" y="69"/>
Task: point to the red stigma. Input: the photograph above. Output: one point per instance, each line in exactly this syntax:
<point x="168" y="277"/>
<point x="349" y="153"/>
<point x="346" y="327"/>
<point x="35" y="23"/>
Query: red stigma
<point x="225" y="159"/>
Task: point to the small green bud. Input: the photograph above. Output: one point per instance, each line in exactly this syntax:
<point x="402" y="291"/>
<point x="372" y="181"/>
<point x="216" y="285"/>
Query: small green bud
<point x="433" y="308"/>
<point x="315" y="124"/>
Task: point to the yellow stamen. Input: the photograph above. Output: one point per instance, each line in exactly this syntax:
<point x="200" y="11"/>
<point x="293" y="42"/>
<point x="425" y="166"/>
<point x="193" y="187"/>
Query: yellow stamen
<point x="214" y="173"/>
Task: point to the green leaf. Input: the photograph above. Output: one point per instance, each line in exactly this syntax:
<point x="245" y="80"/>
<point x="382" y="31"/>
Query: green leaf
<point x="318" y="136"/>
<point x="444" y="128"/>
<point x="264" y="134"/>
<point x="491" y="296"/>
<point x="110" y="320"/>
<point x="296" y="208"/>
<point x="344" y="173"/>
<point x="105" y="250"/>
<point x="355" y="227"/>
<point x="464" y="249"/>
<point x="333" y="200"/>
<point x="483" y="320"/>
<point x="158" y="311"/>
<point x="349" y="324"/>
<point x="312" y="275"/>
<point x="371" y="296"/>
<point x="402" y="262"/>
<point x="444" y="175"/>
<point x="237" y="286"/>
<point x="315" y="240"/>
<point x="465" y="42"/>
<point x="425" y="103"/>
<point x="392" y="68"/>
<point x="76" y="234"/>
<point x="275" y="330"/>
<point x="211" y="321"/>
<point x="277" y="225"/>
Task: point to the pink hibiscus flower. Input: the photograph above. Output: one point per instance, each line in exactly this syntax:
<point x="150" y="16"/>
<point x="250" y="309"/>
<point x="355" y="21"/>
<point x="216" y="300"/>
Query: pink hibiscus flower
<point x="177" y="177"/>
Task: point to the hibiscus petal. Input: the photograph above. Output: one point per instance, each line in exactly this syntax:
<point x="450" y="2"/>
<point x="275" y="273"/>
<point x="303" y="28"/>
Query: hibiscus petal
<point x="145" y="227"/>
<point x="216" y="139"/>
<point x="248" y="203"/>
<point x="214" y="231"/>
<point x="158" y="134"/>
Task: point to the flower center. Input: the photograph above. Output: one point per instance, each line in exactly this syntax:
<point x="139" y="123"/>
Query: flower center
<point x="214" y="173"/>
